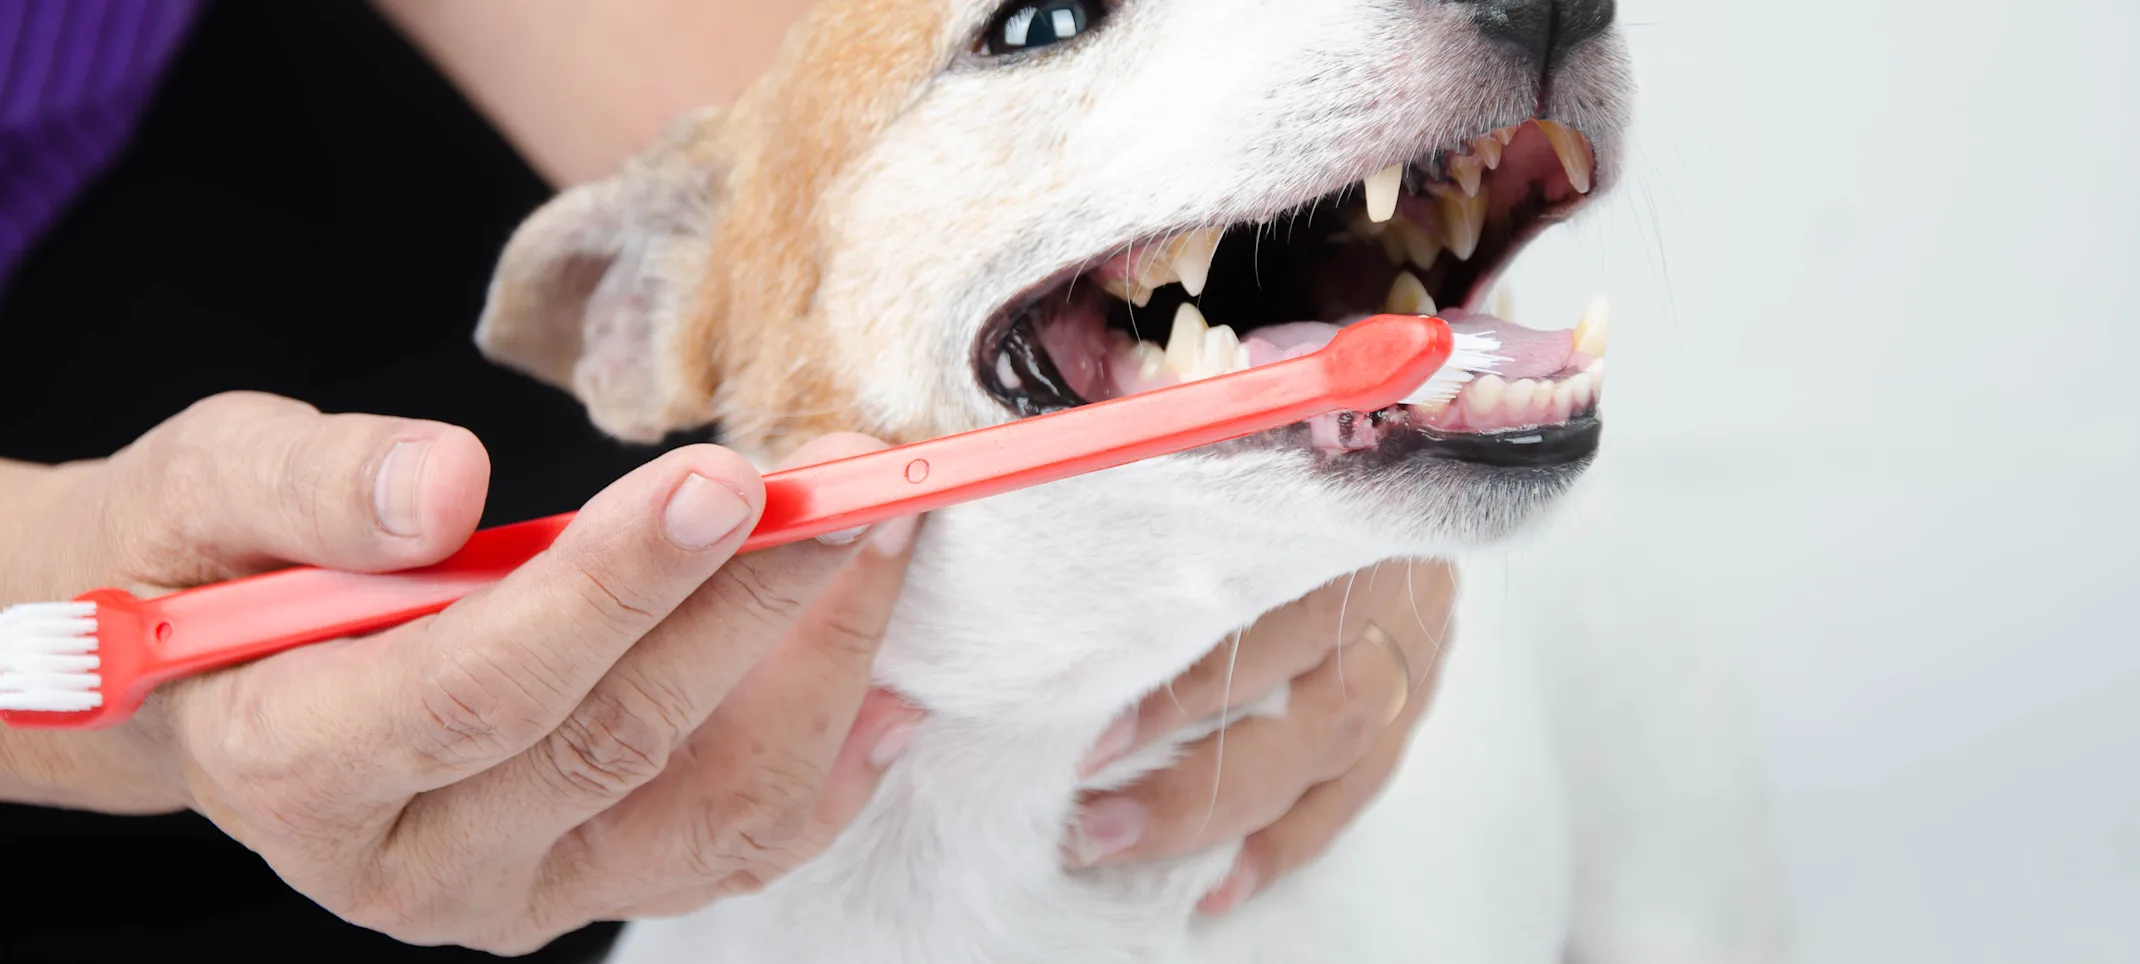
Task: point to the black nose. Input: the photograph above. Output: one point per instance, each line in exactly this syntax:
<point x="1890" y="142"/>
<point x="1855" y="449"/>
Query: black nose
<point x="1545" y="30"/>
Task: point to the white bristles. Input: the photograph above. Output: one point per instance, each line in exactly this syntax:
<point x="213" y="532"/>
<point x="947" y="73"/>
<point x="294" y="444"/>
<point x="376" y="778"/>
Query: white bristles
<point x="48" y="658"/>
<point x="1474" y="355"/>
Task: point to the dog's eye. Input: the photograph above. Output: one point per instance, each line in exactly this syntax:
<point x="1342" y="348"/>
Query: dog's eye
<point x="1023" y="25"/>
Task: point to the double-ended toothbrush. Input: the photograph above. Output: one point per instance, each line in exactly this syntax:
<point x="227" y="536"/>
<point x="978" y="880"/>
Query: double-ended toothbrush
<point x="90" y="663"/>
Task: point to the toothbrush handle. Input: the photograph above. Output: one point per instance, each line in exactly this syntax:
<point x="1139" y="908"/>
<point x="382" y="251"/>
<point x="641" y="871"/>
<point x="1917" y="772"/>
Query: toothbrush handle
<point x="1371" y="365"/>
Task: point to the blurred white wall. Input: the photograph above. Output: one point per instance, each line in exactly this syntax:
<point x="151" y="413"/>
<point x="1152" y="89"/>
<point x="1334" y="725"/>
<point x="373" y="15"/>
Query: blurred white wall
<point x="1871" y="439"/>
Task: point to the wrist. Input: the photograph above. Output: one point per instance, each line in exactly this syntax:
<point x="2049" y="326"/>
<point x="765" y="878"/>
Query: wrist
<point x="115" y="771"/>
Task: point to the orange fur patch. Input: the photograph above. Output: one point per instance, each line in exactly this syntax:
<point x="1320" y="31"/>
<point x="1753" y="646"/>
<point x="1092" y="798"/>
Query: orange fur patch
<point x="846" y="72"/>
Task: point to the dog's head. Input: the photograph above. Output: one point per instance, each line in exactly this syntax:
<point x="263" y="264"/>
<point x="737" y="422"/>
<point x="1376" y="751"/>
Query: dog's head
<point x="933" y="215"/>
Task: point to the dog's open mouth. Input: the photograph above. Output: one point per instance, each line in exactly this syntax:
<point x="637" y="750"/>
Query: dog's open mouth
<point x="1425" y="237"/>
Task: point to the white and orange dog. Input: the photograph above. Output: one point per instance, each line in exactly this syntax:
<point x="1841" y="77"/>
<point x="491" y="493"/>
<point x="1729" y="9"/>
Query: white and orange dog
<point x="935" y="215"/>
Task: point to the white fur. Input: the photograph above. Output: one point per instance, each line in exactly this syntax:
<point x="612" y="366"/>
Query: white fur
<point x="1031" y="620"/>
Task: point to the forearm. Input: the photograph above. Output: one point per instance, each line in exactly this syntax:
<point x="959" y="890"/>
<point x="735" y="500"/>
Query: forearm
<point x="578" y="87"/>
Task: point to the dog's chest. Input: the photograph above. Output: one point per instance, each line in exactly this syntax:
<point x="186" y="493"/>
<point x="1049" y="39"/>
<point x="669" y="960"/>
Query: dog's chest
<point x="1463" y="858"/>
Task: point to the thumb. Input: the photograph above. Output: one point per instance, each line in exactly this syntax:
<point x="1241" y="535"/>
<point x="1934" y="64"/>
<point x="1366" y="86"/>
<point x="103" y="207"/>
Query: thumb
<point x="242" y="483"/>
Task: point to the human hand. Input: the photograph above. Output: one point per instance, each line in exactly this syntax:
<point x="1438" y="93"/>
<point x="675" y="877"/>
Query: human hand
<point x="631" y="724"/>
<point x="1288" y="785"/>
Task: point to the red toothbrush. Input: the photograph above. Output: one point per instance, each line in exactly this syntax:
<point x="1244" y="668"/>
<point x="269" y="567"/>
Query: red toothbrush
<point x="91" y="662"/>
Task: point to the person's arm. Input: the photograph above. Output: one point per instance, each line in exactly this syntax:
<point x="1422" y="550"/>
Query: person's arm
<point x="578" y="87"/>
<point x="441" y="781"/>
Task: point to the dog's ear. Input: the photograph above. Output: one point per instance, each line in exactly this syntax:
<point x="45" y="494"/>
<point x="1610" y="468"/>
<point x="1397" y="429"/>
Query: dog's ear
<point x="592" y="291"/>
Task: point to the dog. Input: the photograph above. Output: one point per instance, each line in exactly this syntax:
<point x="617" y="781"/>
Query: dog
<point x="937" y="215"/>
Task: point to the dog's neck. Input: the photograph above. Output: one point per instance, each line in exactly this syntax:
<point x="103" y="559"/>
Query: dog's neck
<point x="1025" y="637"/>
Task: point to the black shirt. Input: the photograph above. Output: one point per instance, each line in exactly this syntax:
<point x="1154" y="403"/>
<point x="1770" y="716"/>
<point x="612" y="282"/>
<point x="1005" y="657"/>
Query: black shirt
<point x="307" y="209"/>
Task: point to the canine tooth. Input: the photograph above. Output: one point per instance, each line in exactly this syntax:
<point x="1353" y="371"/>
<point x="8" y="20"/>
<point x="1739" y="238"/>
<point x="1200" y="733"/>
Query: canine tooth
<point x="1420" y="246"/>
<point x="1484" y="394"/>
<point x="1574" y="158"/>
<point x="1005" y="375"/>
<point x="1192" y="258"/>
<point x="1506" y="136"/>
<point x="1366" y="228"/>
<point x="1185" y="346"/>
<point x="1519" y="394"/>
<point x="1596" y="328"/>
<point x="1382" y="191"/>
<point x="1463" y="221"/>
<point x="1468" y="171"/>
<point x="1408" y="296"/>
<point x="1489" y="151"/>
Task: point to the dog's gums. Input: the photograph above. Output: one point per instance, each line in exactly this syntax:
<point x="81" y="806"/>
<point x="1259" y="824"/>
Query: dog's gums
<point x="1419" y="235"/>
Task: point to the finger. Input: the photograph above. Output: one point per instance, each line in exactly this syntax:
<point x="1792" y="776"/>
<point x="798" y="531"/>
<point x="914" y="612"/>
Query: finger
<point x="621" y="735"/>
<point x="768" y="756"/>
<point x="880" y="735"/>
<point x="1245" y="777"/>
<point x="1304" y="833"/>
<point x="1412" y="597"/>
<point x="442" y="699"/>
<point x="244" y="482"/>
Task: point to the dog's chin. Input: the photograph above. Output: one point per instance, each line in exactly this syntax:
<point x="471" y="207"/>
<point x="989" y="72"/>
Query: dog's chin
<point x="1196" y="301"/>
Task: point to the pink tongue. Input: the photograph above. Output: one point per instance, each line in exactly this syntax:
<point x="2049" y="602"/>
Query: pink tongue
<point x="1530" y="354"/>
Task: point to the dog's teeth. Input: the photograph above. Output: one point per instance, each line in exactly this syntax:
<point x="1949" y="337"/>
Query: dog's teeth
<point x="1151" y="360"/>
<point x="1396" y="241"/>
<point x="1128" y="290"/>
<point x="1382" y="191"/>
<point x="1468" y="172"/>
<point x="1596" y="328"/>
<point x="1580" y="392"/>
<point x="1563" y="400"/>
<point x="1185" y="346"/>
<point x="1420" y="246"/>
<point x="1242" y="361"/>
<point x="1489" y="151"/>
<point x="1517" y="397"/>
<point x="1574" y="158"/>
<point x="1463" y="220"/>
<point x="1505" y="305"/>
<point x="1506" y="136"/>
<point x="1192" y="258"/>
<point x="1484" y="394"/>
<point x="1005" y="375"/>
<point x="1221" y="346"/>
<point x="1408" y="296"/>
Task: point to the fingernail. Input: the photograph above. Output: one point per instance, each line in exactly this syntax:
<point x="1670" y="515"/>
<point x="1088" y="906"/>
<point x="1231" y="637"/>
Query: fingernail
<point x="844" y="537"/>
<point x="702" y="512"/>
<point x="1230" y="893"/>
<point x="893" y="744"/>
<point x="396" y="491"/>
<point x="1107" y="827"/>
<point x="1111" y="743"/>
<point x="893" y="538"/>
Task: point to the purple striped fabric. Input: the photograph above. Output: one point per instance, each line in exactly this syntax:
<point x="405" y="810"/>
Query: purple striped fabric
<point x="74" y="76"/>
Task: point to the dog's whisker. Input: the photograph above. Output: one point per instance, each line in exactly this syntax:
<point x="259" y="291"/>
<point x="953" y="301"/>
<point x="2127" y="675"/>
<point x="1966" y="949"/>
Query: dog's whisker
<point x="1218" y="766"/>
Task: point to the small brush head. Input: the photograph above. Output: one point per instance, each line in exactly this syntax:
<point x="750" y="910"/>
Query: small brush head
<point x="1474" y="356"/>
<point x="48" y="658"/>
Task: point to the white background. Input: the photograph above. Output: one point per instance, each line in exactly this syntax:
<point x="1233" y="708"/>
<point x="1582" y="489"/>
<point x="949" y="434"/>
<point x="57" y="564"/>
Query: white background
<point x="1871" y="441"/>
